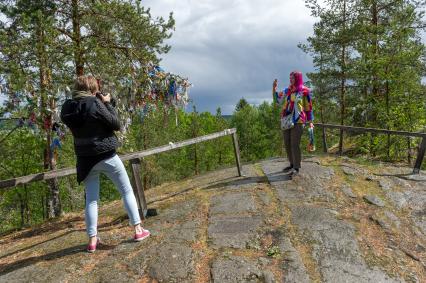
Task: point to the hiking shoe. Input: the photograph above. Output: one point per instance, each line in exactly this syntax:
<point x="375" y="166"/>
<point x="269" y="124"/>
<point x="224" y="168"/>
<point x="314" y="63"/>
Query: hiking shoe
<point x="140" y="236"/>
<point x="295" y="172"/>
<point x="287" y="169"/>
<point x="92" y="248"/>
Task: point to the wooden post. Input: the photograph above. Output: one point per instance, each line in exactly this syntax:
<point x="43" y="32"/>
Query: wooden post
<point x="324" y="140"/>
<point x="420" y="157"/>
<point x="237" y="153"/>
<point x="409" y="150"/>
<point x="138" y="187"/>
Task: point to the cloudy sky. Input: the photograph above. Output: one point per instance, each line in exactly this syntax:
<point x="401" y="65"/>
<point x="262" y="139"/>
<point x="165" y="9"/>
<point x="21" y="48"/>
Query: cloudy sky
<point x="231" y="49"/>
<point x="235" y="48"/>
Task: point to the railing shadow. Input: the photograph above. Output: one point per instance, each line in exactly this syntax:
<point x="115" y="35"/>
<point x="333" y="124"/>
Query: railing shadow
<point x="183" y="191"/>
<point x="120" y="219"/>
<point x="230" y="181"/>
<point x="103" y="227"/>
<point x="7" y="268"/>
<point x="279" y="177"/>
<point x="407" y="176"/>
<point x="235" y="181"/>
<point x="4" y="269"/>
<point x="239" y="182"/>
<point x="35" y="245"/>
<point x="53" y="226"/>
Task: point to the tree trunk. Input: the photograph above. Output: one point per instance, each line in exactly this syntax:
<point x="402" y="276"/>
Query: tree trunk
<point x="195" y="159"/>
<point x="47" y="104"/>
<point x="321" y="105"/>
<point x="71" y="190"/>
<point x="409" y="150"/>
<point x="195" y="130"/>
<point x="375" y="78"/>
<point x="21" y="209"/>
<point x="78" y="50"/>
<point x="146" y="173"/>
<point x="387" y="120"/>
<point x="343" y="82"/>
<point x="410" y="128"/>
<point x="43" y="207"/>
<point x="27" y="207"/>
<point x="54" y="207"/>
<point x="46" y="201"/>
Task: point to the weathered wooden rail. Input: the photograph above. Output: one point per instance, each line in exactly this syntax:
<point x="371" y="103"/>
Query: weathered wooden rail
<point x="135" y="162"/>
<point x="420" y="155"/>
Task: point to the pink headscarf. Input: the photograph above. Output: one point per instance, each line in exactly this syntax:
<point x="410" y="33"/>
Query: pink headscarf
<point x="298" y="81"/>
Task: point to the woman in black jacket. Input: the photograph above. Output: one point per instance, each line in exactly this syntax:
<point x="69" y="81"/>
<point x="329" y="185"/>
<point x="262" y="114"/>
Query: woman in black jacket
<point x="92" y="120"/>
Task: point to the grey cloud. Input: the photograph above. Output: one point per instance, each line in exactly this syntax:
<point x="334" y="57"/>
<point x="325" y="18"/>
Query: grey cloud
<point x="234" y="48"/>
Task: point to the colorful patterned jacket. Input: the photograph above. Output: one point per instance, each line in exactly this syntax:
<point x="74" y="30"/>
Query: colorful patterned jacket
<point x="287" y="98"/>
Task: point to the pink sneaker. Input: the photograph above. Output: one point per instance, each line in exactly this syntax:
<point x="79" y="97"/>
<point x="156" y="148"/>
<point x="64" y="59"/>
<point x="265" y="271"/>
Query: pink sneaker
<point x="92" y="248"/>
<point x="139" y="237"/>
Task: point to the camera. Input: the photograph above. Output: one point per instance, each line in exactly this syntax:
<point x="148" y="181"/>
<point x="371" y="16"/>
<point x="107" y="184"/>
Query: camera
<point x="99" y="94"/>
<point x="105" y="88"/>
<point x="112" y="101"/>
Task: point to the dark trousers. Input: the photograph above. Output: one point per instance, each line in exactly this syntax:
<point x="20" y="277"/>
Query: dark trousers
<point x="292" y="144"/>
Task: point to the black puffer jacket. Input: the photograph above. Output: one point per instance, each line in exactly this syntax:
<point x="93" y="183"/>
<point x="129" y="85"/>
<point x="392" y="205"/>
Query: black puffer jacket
<point x="92" y="124"/>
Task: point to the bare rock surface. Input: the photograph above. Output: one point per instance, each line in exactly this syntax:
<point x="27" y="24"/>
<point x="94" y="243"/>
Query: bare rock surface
<point x="233" y="232"/>
<point x="293" y="264"/>
<point x="320" y="222"/>
<point x="372" y="199"/>
<point x="236" y="269"/>
<point x="263" y="227"/>
<point x="232" y="203"/>
<point x="266" y="199"/>
<point x="419" y="218"/>
<point x="172" y="263"/>
<point x="334" y="245"/>
<point x="310" y="184"/>
<point x="349" y="171"/>
<point x="348" y="191"/>
<point x="387" y="220"/>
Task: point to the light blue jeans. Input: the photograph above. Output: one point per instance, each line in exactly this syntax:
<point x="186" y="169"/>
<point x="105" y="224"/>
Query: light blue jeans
<point x="114" y="169"/>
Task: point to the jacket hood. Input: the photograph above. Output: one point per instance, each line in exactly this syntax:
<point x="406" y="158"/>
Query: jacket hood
<point x="74" y="111"/>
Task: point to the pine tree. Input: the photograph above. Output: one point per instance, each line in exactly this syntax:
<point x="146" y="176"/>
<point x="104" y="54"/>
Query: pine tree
<point x="31" y="42"/>
<point x="45" y="44"/>
<point x="391" y="63"/>
<point x="380" y="75"/>
<point x="333" y="34"/>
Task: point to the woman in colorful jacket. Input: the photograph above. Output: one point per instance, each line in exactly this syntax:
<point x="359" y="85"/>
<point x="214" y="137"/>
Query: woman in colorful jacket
<point x="299" y="96"/>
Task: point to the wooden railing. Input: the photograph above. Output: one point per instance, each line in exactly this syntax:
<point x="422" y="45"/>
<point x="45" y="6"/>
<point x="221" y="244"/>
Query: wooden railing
<point x="420" y="155"/>
<point x="135" y="162"/>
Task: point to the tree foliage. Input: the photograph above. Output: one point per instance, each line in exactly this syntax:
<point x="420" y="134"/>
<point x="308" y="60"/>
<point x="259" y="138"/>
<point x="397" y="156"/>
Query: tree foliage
<point x="376" y="80"/>
<point x="45" y="44"/>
